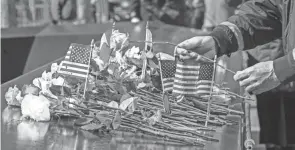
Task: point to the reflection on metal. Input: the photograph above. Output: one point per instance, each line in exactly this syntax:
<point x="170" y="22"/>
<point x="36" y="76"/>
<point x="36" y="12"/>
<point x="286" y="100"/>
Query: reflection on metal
<point x="61" y="135"/>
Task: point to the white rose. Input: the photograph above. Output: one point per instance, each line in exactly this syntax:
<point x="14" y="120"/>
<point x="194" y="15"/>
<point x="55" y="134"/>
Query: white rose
<point x="47" y="76"/>
<point x="44" y="85"/>
<point x="37" y="82"/>
<point x="19" y="97"/>
<point x="36" y="107"/>
<point x="12" y="96"/>
<point x="133" y="53"/>
<point x="54" y="68"/>
<point x="99" y="62"/>
<point x="119" y="40"/>
<point x="59" y="81"/>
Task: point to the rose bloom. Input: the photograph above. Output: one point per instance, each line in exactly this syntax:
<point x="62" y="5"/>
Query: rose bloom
<point x="13" y="96"/>
<point x="133" y="55"/>
<point x="119" y="40"/>
<point x="36" y="107"/>
<point x="54" y="68"/>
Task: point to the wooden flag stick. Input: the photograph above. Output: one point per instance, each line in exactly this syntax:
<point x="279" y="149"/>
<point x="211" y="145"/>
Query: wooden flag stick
<point x="90" y="56"/>
<point x="163" y="90"/>
<point x="159" y="59"/>
<point x="144" y="66"/>
<point x="211" y="91"/>
<point x="113" y="27"/>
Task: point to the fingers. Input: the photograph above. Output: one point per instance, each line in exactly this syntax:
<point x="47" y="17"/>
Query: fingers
<point x="191" y="43"/>
<point x="253" y="87"/>
<point x="180" y="51"/>
<point x="185" y="54"/>
<point x="241" y="75"/>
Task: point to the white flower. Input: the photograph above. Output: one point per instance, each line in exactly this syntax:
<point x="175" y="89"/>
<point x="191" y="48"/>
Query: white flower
<point x="12" y="96"/>
<point x="54" y="68"/>
<point x="44" y="85"/>
<point x="99" y="62"/>
<point x="19" y="97"/>
<point x="58" y="81"/>
<point x="133" y="53"/>
<point x="47" y="76"/>
<point x="36" y="107"/>
<point x="128" y="72"/>
<point x="95" y="53"/>
<point x="133" y="56"/>
<point x="32" y="131"/>
<point x="119" y="40"/>
<point x="120" y="60"/>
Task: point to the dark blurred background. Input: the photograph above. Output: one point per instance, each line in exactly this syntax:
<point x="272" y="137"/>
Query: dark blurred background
<point x="45" y="26"/>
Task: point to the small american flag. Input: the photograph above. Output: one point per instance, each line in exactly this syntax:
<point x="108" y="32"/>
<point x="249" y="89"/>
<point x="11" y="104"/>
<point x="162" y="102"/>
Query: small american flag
<point x="76" y="61"/>
<point x="167" y="70"/>
<point x="192" y="78"/>
<point x="205" y="79"/>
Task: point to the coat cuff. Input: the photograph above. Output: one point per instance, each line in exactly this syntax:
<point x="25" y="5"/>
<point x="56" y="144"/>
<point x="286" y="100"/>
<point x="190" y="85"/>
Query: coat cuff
<point x="228" y="38"/>
<point x="284" y="67"/>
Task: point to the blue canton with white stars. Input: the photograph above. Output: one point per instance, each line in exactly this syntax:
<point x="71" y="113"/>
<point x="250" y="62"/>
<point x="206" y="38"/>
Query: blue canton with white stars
<point x="206" y="71"/>
<point x="168" y="68"/>
<point x="80" y="53"/>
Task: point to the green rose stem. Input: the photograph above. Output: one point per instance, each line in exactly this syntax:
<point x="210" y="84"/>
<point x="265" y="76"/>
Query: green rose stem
<point x="159" y="132"/>
<point x="166" y="133"/>
<point x="135" y="120"/>
<point x="203" y="106"/>
<point x="165" y="125"/>
<point x="159" y="105"/>
<point x="155" y="131"/>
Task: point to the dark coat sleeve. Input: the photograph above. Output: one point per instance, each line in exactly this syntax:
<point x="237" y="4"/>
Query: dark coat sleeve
<point x="256" y="23"/>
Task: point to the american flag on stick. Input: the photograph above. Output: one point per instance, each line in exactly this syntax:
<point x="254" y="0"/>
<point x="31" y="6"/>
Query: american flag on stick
<point x="193" y="78"/>
<point x="167" y="71"/>
<point x="76" y="63"/>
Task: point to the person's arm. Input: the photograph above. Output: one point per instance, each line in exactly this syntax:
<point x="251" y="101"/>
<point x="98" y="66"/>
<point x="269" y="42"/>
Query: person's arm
<point x="256" y="23"/>
<point x="284" y="67"/>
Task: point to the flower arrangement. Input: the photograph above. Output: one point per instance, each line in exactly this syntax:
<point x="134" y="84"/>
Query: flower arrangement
<point x="118" y="99"/>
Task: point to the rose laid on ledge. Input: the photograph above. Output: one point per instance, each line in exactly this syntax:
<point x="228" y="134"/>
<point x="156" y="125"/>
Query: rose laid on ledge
<point x="35" y="107"/>
<point x="13" y="96"/>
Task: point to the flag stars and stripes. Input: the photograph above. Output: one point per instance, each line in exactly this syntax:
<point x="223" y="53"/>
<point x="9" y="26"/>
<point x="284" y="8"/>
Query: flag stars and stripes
<point x="206" y="71"/>
<point x="168" y="72"/>
<point x="76" y="61"/>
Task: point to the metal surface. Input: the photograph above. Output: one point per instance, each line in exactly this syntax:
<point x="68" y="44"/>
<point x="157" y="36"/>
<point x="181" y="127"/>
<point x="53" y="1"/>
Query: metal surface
<point x="28" y="135"/>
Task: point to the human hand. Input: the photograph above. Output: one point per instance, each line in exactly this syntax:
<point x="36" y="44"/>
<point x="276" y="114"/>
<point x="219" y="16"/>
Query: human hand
<point x="258" y="78"/>
<point x="194" y="47"/>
